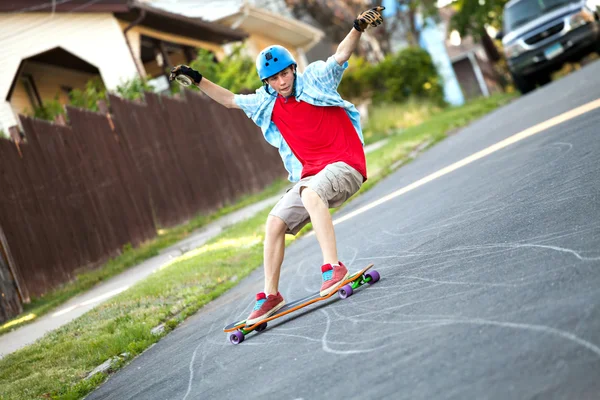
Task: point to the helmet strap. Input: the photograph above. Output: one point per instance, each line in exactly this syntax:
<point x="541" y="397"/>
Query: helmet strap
<point x="294" y="84"/>
<point x="266" y="86"/>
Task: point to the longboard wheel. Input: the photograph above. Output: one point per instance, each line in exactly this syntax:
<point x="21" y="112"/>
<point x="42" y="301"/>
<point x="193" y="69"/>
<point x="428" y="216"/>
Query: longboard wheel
<point x="236" y="337"/>
<point x="345" y="291"/>
<point x="261" y="327"/>
<point x="374" y="275"/>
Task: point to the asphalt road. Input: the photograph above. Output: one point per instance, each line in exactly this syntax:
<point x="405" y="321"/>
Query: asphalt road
<point x="490" y="283"/>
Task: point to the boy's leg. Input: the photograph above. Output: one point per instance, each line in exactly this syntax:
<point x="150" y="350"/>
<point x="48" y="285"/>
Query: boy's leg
<point x="322" y="224"/>
<point x="274" y="248"/>
<point x="308" y="200"/>
<point x="269" y="301"/>
<point x="288" y="216"/>
<point x="329" y="188"/>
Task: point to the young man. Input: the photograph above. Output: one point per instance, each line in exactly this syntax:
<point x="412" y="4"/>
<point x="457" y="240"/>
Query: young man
<point x="320" y="141"/>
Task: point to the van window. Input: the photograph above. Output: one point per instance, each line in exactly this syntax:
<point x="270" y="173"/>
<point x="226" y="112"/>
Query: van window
<point x="524" y="11"/>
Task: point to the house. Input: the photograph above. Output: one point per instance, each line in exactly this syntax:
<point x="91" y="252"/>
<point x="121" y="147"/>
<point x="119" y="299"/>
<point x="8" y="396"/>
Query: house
<point x="266" y="23"/>
<point x="52" y="47"/>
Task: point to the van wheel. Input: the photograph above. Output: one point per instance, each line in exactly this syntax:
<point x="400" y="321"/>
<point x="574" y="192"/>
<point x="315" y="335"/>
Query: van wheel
<point x="524" y="84"/>
<point x="543" y="79"/>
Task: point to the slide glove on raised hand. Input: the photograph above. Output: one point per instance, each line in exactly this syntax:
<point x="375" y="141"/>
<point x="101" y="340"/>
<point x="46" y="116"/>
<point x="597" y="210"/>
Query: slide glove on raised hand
<point x="369" y="18"/>
<point x="185" y="75"/>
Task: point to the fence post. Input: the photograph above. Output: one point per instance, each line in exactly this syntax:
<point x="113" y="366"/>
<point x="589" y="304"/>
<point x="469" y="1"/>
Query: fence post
<point x="5" y="252"/>
<point x="60" y="120"/>
<point x="15" y="134"/>
<point x="103" y="109"/>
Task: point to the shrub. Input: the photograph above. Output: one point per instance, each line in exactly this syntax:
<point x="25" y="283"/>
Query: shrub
<point x="357" y="81"/>
<point x="48" y="110"/>
<point x="237" y="72"/>
<point x="407" y="74"/>
<point x="206" y="64"/>
<point x="134" y="89"/>
<point x="88" y="97"/>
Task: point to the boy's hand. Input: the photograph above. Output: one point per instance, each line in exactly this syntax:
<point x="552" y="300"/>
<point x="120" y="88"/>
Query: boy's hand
<point x="185" y="75"/>
<point x="369" y="18"/>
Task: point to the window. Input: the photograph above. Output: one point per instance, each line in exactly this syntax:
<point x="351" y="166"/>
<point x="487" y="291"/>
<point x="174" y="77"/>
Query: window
<point x="32" y="92"/>
<point x="527" y="10"/>
<point x="66" y="89"/>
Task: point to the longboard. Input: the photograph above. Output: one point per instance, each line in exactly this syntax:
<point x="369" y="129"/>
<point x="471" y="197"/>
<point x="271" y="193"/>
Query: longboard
<point x="354" y="281"/>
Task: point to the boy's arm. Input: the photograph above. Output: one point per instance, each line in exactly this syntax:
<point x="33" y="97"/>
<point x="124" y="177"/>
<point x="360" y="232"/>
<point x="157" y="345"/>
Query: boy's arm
<point x="188" y="76"/>
<point x="364" y="20"/>
<point x="218" y="93"/>
<point x="347" y="46"/>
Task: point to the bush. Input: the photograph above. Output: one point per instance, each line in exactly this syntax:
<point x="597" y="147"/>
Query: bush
<point x="237" y="72"/>
<point x="48" y="110"/>
<point x="134" y="89"/>
<point x="409" y="73"/>
<point x="357" y="81"/>
<point x="88" y="98"/>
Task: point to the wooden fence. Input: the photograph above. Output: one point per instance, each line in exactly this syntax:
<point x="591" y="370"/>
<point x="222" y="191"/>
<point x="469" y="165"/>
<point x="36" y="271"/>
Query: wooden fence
<point x="72" y="196"/>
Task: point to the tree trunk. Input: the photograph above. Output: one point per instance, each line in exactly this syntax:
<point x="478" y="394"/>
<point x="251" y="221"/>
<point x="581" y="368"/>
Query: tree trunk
<point x="490" y="48"/>
<point x="413" y="26"/>
<point x="493" y="55"/>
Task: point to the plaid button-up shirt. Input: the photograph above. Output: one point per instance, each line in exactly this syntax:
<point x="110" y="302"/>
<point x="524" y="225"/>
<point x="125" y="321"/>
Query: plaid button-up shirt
<point x="317" y="86"/>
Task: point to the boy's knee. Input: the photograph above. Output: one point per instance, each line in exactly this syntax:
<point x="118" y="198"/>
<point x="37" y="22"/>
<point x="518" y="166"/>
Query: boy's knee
<point x="275" y="226"/>
<point x="310" y="197"/>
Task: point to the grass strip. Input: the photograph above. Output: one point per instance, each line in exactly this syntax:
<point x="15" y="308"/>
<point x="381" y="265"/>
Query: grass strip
<point x="386" y="120"/>
<point x="57" y="365"/>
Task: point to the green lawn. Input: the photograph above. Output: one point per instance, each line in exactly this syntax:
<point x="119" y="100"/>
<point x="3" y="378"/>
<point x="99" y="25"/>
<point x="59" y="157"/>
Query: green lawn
<point x="387" y="119"/>
<point x="56" y="366"/>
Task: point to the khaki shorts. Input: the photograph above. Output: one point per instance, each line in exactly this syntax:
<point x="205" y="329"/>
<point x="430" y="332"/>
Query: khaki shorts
<point x="335" y="184"/>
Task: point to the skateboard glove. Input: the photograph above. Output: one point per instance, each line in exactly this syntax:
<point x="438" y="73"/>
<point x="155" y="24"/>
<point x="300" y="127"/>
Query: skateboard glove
<point x="369" y="18"/>
<point x="181" y="71"/>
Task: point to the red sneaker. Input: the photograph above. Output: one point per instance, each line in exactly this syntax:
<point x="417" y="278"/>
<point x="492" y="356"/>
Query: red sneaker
<point x="333" y="276"/>
<point x="265" y="307"/>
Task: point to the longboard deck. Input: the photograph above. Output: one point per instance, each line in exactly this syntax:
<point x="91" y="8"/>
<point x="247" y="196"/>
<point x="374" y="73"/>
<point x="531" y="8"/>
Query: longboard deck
<point x="295" y="305"/>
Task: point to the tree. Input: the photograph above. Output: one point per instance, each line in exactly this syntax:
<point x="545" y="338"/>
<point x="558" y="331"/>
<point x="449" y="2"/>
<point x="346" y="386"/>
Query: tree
<point x="473" y="16"/>
<point x="407" y="12"/>
<point x="335" y="18"/>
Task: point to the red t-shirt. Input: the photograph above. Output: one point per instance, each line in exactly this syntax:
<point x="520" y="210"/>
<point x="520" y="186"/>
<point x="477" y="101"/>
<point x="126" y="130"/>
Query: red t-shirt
<point x="318" y="136"/>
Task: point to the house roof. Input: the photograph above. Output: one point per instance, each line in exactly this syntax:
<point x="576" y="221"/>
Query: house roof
<point x="19" y="6"/>
<point x="178" y="24"/>
<point x="268" y="19"/>
<point x="208" y="10"/>
<point x="289" y="30"/>
<point x="128" y="10"/>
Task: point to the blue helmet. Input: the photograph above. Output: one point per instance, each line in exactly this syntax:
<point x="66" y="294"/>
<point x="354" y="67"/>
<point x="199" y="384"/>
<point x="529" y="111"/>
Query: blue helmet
<point x="272" y="60"/>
